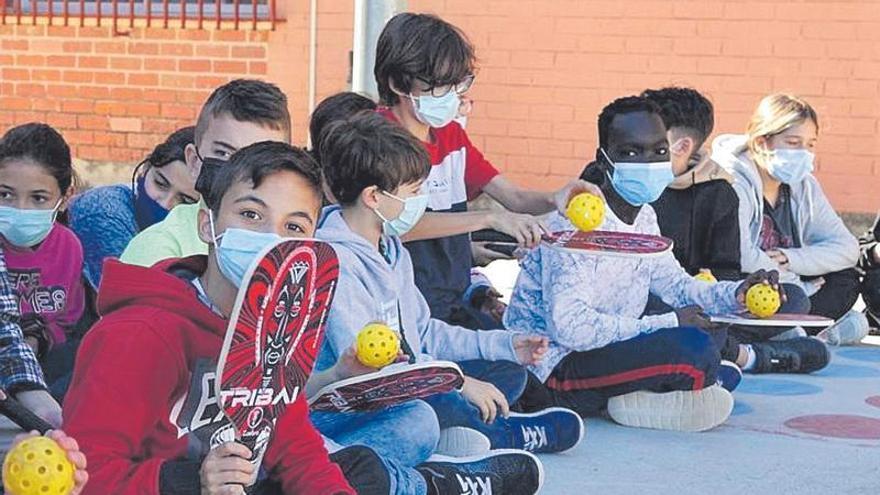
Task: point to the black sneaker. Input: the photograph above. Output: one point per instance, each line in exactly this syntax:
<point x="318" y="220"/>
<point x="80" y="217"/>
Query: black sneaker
<point x="800" y="355"/>
<point x="507" y="472"/>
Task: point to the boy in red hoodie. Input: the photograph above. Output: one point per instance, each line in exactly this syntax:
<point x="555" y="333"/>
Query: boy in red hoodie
<point x="142" y="401"/>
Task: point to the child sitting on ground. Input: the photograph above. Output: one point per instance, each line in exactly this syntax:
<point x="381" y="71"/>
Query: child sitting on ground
<point x="656" y="371"/>
<point x="375" y="170"/>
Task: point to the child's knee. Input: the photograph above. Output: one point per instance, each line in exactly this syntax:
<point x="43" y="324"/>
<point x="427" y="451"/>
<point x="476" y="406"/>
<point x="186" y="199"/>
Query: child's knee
<point x="697" y="348"/>
<point x="423" y="428"/>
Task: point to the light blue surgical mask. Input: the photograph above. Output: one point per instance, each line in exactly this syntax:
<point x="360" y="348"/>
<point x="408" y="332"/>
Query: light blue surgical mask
<point x="790" y="166"/>
<point x="26" y="228"/>
<point x="640" y="183"/>
<point x="413" y="209"/>
<point x="237" y="249"/>
<point x="436" y="111"/>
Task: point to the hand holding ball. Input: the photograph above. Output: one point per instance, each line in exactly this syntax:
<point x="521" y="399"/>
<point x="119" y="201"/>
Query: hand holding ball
<point x="377" y="345"/>
<point x="762" y="300"/>
<point x="586" y="211"/>
<point x="37" y="466"/>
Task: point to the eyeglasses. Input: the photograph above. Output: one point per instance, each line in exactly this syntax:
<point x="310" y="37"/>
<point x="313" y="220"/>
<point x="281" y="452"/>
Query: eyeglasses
<point x="460" y="88"/>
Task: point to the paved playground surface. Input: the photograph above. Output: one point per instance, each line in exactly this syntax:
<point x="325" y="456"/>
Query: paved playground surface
<point x="789" y="434"/>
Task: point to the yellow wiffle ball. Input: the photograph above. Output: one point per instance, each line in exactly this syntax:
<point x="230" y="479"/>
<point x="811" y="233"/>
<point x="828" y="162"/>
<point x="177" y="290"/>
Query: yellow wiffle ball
<point x="377" y="345"/>
<point x="706" y="276"/>
<point x="586" y="211"/>
<point x="762" y="300"/>
<point x="37" y="466"/>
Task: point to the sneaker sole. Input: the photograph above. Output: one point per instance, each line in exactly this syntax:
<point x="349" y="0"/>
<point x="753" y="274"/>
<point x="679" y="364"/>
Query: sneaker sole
<point x="684" y="410"/>
<point x="494" y="453"/>
<point x="459" y="441"/>
<point x="581" y="430"/>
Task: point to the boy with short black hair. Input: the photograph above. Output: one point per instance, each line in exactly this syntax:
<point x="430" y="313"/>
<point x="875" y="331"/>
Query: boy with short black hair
<point x="375" y="169"/>
<point x="237" y="114"/>
<point x="423" y="67"/>
<point x="333" y="108"/>
<point x="699" y="209"/>
<point x="655" y="371"/>
<point x="142" y="401"/>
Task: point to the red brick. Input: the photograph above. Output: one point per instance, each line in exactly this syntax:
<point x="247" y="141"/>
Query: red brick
<point x="126" y="63"/>
<point x="94" y="32"/>
<point x="93" y="122"/>
<point x="76" y="47"/>
<point x="127" y="94"/>
<point x="229" y="35"/>
<point x="212" y="51"/>
<point x="61" y="120"/>
<point x="16" y="75"/>
<point x="61" y="61"/>
<point x="61" y="31"/>
<point x="79" y="137"/>
<point x="113" y="77"/>
<point x="229" y="67"/>
<point x="176" y="49"/>
<point x="258" y="68"/>
<point x="77" y="106"/>
<point x="178" y="111"/>
<point x="160" y="64"/>
<point x="158" y="95"/>
<point x="144" y="48"/>
<point x="160" y="34"/>
<point x="30" y="60"/>
<point x="111" y="47"/>
<point x="14" y="45"/>
<point x="193" y="35"/>
<point x="9" y="103"/>
<point x="92" y="62"/>
<point x="200" y="66"/>
<point x="144" y="79"/>
<point x="249" y="52"/>
<point x="142" y="109"/>
<point x="93" y="92"/>
<point x="125" y="124"/>
<point x="31" y="90"/>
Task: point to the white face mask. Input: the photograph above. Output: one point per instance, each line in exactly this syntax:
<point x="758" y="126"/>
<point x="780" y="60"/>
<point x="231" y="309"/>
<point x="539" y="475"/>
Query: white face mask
<point x="790" y="166"/>
<point x="436" y="111"/>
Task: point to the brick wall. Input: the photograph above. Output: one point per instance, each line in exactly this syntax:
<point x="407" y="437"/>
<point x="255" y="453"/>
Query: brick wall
<point x="546" y="69"/>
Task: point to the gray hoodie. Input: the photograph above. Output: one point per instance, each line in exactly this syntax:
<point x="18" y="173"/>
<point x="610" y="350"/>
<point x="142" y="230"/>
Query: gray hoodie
<point x="827" y="245"/>
<point x="373" y="289"/>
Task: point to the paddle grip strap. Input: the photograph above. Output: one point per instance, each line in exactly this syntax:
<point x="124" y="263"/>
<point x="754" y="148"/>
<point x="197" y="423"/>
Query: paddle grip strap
<point x="403" y="343"/>
<point x="488" y="235"/>
<point x="21" y="416"/>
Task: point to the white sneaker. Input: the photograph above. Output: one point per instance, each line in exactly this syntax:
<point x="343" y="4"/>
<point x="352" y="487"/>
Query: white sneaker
<point x="459" y="441"/>
<point x="684" y="410"/>
<point x="849" y="330"/>
<point x="791" y="333"/>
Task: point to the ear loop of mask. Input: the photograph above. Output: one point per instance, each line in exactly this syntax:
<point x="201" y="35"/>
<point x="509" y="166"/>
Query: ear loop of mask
<point x="214" y="236"/>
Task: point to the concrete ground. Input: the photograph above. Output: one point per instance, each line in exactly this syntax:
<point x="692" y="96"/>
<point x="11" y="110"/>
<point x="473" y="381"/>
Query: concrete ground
<point x="789" y="434"/>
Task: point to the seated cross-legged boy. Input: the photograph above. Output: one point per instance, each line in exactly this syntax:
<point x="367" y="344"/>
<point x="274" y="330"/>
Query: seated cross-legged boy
<point x="699" y="211"/>
<point x="142" y="402"/>
<point x="656" y="371"/>
<point x="239" y="113"/>
<point x="375" y="170"/>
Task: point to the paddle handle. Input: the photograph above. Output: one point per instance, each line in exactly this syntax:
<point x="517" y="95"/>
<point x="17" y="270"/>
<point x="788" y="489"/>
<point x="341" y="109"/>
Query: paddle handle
<point x="22" y="416"/>
<point x="494" y="236"/>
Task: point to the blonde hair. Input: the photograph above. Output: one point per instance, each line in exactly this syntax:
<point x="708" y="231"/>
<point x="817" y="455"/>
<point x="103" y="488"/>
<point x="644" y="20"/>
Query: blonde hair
<point x="775" y="114"/>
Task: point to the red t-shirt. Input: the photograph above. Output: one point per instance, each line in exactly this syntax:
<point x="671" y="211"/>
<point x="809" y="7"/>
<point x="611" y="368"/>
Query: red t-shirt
<point x="459" y="173"/>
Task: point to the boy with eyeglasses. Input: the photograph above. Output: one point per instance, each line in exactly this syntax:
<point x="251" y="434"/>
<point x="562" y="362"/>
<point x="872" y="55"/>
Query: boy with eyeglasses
<point x="423" y="67"/>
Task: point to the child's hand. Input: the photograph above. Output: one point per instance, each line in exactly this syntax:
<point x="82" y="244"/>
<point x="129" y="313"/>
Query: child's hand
<point x="530" y="349"/>
<point x="760" y="277"/>
<point x="349" y="365"/>
<point x="486" y="397"/>
<point x="779" y="257"/>
<point x="74" y="455"/>
<point x="693" y="316"/>
<point x="226" y="470"/>
<point x="490" y="303"/>
<point x="526" y="229"/>
<point x="572" y="189"/>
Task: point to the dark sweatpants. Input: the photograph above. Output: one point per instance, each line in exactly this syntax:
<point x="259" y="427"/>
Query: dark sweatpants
<point x="671" y="359"/>
<point x="837" y="296"/>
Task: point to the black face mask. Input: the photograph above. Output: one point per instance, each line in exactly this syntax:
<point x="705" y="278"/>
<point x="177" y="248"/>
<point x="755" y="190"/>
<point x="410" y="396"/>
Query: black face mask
<point x="205" y="181"/>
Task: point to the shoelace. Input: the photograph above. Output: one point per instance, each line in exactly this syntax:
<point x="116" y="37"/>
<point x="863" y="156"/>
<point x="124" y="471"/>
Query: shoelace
<point x="474" y="485"/>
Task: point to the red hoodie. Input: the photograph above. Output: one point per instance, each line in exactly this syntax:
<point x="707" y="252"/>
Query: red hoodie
<point x="143" y="389"/>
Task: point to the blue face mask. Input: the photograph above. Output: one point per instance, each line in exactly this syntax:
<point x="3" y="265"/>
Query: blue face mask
<point x="147" y="211"/>
<point x="237" y="249"/>
<point x="436" y="111"/>
<point x="790" y="166"/>
<point x="26" y="228"/>
<point x="413" y="209"/>
<point x="640" y="183"/>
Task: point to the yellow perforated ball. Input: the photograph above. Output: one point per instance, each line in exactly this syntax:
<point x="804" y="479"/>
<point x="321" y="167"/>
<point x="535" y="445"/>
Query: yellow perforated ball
<point x="762" y="300"/>
<point x="706" y="276"/>
<point x="377" y="345"/>
<point x="586" y="211"/>
<point x="37" y="466"/>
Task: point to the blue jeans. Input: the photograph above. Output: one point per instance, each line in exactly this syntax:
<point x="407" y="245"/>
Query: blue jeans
<point x="454" y="410"/>
<point x="404" y="436"/>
